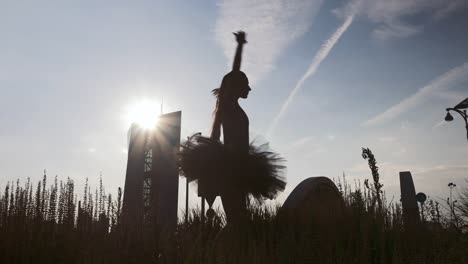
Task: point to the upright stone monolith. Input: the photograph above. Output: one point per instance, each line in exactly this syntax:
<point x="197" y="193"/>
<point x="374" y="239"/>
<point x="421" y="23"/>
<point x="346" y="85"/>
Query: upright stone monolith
<point x="408" y="199"/>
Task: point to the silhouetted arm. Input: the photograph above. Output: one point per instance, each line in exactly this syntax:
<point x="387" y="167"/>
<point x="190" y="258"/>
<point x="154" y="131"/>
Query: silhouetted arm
<point x="240" y="38"/>
<point x="216" y="129"/>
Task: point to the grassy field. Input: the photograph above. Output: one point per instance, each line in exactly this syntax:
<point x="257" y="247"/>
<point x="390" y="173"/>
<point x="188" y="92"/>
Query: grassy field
<point x="40" y="224"/>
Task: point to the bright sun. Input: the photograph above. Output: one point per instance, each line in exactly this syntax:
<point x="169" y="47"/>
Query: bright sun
<point x="145" y="113"/>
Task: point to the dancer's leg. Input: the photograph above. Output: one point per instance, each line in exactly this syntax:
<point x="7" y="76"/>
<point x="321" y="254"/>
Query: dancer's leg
<point x="235" y="207"/>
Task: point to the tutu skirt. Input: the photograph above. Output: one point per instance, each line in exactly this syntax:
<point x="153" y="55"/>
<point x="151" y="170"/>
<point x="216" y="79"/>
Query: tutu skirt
<point x="259" y="173"/>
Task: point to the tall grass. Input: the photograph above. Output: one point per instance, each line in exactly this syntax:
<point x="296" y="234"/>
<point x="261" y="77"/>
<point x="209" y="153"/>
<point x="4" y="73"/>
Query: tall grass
<point x="47" y="223"/>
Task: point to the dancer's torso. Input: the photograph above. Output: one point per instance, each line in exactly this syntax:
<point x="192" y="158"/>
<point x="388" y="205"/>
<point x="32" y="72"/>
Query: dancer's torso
<point x="236" y="130"/>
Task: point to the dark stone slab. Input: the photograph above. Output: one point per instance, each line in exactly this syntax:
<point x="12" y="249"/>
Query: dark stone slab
<point x="314" y="200"/>
<point x="408" y="199"/>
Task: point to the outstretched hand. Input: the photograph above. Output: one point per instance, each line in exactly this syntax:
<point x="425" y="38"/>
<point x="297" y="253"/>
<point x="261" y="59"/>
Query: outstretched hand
<point x="240" y="37"/>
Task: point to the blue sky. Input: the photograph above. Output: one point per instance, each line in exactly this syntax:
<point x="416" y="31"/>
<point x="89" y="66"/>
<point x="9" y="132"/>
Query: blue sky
<point x="375" y="74"/>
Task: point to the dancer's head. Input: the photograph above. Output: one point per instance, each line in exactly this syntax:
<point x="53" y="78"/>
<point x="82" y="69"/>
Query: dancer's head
<point x="235" y="85"/>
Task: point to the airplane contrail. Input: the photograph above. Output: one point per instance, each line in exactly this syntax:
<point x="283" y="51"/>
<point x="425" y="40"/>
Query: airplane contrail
<point x="321" y="55"/>
<point x="442" y="83"/>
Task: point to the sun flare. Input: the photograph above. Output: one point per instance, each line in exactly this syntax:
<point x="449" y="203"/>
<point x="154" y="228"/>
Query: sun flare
<point x="145" y="113"/>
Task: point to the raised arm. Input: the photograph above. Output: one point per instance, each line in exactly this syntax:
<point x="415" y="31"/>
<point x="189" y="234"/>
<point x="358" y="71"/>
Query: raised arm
<point x="240" y="38"/>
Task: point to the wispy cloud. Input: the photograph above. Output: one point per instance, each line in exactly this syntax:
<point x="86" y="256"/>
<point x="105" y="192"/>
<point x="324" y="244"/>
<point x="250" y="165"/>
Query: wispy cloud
<point x="443" y="82"/>
<point x="271" y="26"/>
<point x="387" y="139"/>
<point x="91" y="150"/>
<point x="441" y="123"/>
<point x="304" y="147"/>
<point x="320" y="56"/>
<point x="442" y="168"/>
<point x="451" y="96"/>
<point x="391" y="17"/>
<point x="395" y="29"/>
<point x="302" y="141"/>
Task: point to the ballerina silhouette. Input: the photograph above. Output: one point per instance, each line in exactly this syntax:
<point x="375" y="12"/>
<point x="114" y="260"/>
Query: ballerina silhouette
<point x="235" y="123"/>
<point x="236" y="169"/>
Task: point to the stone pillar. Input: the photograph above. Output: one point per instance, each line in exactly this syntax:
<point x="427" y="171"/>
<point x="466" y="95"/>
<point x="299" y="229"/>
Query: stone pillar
<point x="408" y="199"/>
